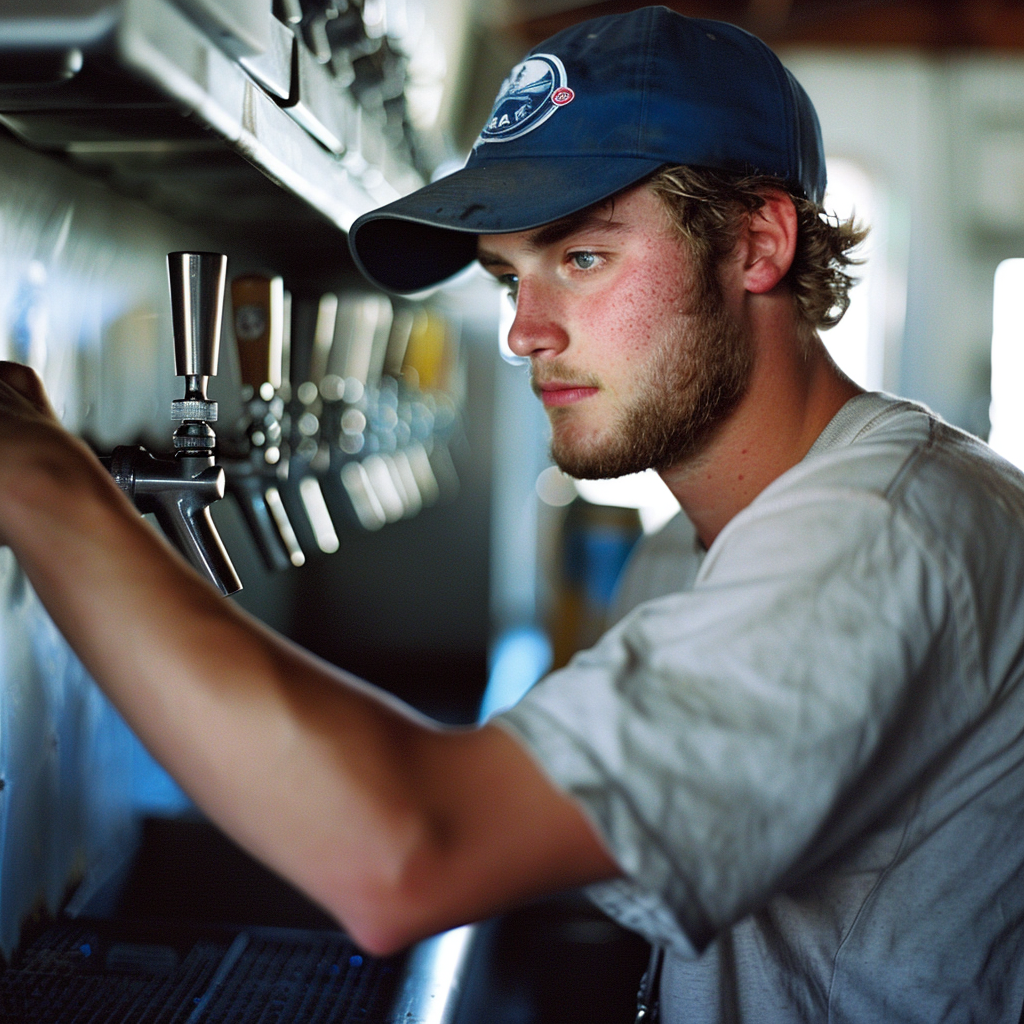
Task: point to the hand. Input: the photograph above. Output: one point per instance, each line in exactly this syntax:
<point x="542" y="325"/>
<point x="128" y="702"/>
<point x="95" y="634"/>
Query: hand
<point x="21" y="391"/>
<point x="33" y="446"/>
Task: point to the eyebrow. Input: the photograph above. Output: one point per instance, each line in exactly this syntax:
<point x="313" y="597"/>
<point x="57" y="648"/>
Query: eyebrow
<point x="558" y="231"/>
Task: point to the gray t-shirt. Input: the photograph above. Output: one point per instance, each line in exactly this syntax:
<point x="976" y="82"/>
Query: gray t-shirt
<point x="807" y="756"/>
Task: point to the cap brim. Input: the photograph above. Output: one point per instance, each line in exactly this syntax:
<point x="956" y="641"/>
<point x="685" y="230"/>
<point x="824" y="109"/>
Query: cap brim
<point x="426" y="237"/>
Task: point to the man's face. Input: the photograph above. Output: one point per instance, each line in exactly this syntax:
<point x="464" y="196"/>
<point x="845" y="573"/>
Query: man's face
<point x="636" y="359"/>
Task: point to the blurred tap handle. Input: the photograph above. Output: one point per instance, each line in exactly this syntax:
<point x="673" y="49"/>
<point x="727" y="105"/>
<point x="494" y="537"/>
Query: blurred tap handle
<point x="426" y="354"/>
<point x="398" y="341"/>
<point x="313" y="319"/>
<point x="312" y="323"/>
<point x="367" y="324"/>
<point x="258" y="306"/>
<point x="323" y="336"/>
<point x="257" y="302"/>
<point x="304" y="313"/>
<point x="429" y="366"/>
<point x="288" y="11"/>
<point x="381" y="336"/>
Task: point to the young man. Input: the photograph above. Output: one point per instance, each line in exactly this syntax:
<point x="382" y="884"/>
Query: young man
<point x="800" y="770"/>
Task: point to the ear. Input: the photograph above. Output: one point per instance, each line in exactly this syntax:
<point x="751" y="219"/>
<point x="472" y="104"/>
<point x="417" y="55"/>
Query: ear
<point x="768" y="243"/>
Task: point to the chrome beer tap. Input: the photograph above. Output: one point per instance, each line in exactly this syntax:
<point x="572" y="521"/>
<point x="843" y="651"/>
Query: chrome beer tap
<point x="179" y="491"/>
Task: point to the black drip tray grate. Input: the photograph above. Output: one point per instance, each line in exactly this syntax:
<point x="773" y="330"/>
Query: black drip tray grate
<point x="113" y="973"/>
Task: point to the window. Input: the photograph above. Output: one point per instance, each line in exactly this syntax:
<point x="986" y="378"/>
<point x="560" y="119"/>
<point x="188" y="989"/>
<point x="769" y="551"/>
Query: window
<point x="1007" y="414"/>
<point x="857" y="342"/>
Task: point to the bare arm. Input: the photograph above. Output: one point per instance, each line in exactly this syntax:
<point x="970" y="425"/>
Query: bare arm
<point x="398" y="827"/>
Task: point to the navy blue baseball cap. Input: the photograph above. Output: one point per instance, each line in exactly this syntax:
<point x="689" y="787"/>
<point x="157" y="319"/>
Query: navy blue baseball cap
<point x="591" y="111"/>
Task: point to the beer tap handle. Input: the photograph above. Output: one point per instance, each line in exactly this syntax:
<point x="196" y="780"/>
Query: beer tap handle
<point x="303" y="494"/>
<point x="196" y="281"/>
<point x="197" y="297"/>
<point x="258" y="304"/>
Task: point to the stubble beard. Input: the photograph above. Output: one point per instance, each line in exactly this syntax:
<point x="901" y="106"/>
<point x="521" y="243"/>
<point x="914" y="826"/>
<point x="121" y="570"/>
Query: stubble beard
<point x="682" y="399"/>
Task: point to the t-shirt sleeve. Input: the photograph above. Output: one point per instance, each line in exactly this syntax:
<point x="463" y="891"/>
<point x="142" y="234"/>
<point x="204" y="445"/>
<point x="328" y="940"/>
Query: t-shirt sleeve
<point x="710" y="734"/>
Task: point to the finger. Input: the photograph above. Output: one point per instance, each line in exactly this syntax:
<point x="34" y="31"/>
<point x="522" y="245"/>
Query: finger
<point x="26" y="382"/>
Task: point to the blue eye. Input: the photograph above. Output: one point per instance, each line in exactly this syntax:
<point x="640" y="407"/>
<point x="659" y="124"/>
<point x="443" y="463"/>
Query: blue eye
<point x="584" y="260"/>
<point x="511" y="282"/>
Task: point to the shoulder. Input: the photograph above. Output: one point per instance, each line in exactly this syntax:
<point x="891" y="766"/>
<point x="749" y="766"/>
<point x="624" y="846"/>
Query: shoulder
<point x="899" y="460"/>
<point x="904" y="501"/>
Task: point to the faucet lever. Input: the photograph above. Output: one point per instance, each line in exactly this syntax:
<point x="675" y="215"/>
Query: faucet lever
<point x="179" y="496"/>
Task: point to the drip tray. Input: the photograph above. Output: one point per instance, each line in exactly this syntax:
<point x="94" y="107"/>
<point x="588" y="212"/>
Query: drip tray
<point x="101" y="972"/>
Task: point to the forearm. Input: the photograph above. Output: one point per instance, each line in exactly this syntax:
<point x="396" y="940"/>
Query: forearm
<point x="396" y="826"/>
<point x="250" y="725"/>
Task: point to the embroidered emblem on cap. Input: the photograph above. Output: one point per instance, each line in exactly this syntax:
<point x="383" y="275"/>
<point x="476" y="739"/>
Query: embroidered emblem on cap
<point x="533" y="91"/>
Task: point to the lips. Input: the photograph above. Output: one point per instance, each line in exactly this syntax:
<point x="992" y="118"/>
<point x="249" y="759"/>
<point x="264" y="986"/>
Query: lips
<point x="555" y="393"/>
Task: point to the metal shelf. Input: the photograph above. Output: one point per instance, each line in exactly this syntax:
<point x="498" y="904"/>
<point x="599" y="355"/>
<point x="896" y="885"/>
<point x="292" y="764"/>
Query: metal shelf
<point x="139" y="94"/>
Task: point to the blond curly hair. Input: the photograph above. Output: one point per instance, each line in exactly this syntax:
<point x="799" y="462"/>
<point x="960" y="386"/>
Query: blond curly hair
<point x="706" y="206"/>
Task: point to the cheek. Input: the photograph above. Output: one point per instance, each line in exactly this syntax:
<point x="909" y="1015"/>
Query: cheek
<point x="641" y="309"/>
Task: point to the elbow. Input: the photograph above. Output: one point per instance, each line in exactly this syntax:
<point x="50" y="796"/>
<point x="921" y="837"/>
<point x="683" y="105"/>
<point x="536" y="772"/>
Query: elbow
<point x="400" y="898"/>
<point x="384" y="923"/>
<point x="380" y="939"/>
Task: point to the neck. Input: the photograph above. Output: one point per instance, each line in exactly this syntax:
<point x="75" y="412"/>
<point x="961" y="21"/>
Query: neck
<point x="790" y="400"/>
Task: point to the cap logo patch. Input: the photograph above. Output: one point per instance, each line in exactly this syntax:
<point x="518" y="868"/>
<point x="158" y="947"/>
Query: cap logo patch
<point x="533" y="91"/>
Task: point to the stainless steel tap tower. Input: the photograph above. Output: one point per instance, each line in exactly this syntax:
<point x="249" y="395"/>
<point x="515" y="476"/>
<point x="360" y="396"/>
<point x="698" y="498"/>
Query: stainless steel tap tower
<point x="179" y="491"/>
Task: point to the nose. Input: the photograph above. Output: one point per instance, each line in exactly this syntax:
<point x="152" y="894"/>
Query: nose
<point x="537" y="329"/>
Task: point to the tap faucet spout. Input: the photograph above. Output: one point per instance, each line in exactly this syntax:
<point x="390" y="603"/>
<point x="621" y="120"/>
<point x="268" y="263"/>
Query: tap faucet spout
<point x="179" y="492"/>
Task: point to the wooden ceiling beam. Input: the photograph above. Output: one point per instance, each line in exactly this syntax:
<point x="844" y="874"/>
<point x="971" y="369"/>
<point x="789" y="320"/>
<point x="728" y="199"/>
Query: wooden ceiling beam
<point x="767" y="17"/>
<point x="922" y="24"/>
